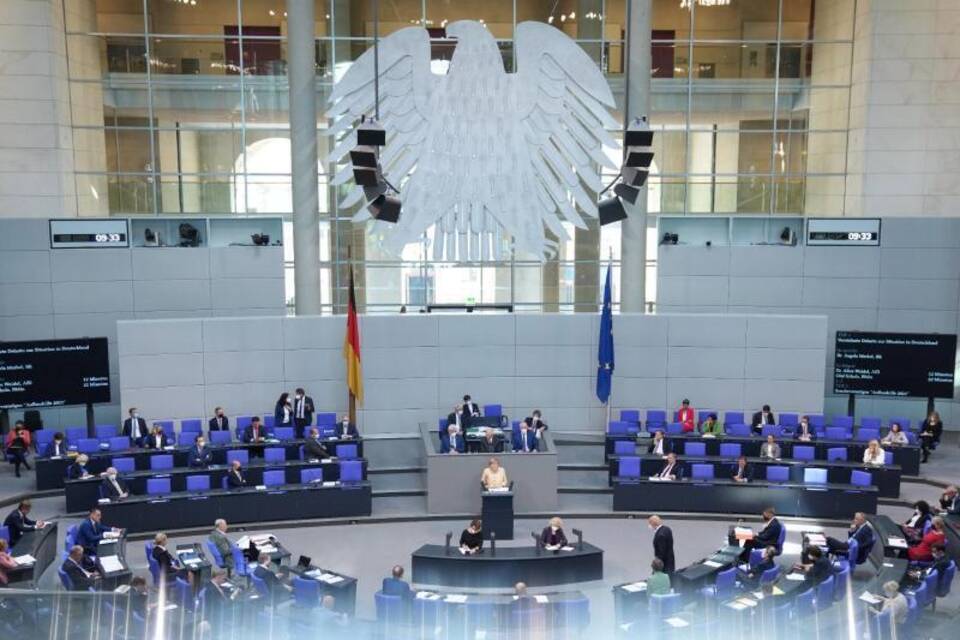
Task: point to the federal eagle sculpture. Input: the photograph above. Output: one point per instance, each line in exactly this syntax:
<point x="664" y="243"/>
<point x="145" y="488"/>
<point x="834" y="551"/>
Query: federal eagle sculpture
<point x="489" y="157"/>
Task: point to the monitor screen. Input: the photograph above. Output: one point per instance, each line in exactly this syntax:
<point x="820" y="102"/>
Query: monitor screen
<point x="895" y="364"/>
<point x="54" y="373"/>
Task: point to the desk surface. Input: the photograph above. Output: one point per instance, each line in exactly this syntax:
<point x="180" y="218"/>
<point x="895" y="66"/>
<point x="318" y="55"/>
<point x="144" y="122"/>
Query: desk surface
<point x="42" y="545"/>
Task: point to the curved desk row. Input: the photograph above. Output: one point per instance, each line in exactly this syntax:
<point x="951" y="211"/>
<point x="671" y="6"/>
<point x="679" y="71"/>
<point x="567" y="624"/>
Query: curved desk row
<point x="42" y="545"/>
<point x="140" y="514"/>
<point x="52" y="472"/>
<point x="727" y="496"/>
<point x="886" y="479"/>
<point x="508" y="566"/>
<point x="83" y="494"/>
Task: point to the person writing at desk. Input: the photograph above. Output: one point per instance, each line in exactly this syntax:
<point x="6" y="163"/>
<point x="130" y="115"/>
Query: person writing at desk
<point x="169" y="567"/>
<point x="346" y="429"/>
<point x="453" y="441"/>
<point x="950" y="501"/>
<point x="895" y="437"/>
<point x="805" y="431"/>
<point x="818" y="568"/>
<point x="471" y="539"/>
<point x="219" y="421"/>
<point x="742" y="472"/>
<point x="873" y="455"/>
<point x="762" y="418"/>
<point x="200" y="454"/>
<point x="255" y="434"/>
<point x="112" y="486"/>
<point x="276" y="587"/>
<point x="494" y="477"/>
<point x="489" y="444"/>
<point x="687" y="417"/>
<point x="18" y="522"/>
<point x="78" y="470"/>
<point x="56" y="448"/>
<point x="91" y="532"/>
<point x="157" y="438"/>
<point x="770" y="449"/>
<point x="313" y="448"/>
<point x="711" y="426"/>
<point x="236" y="478"/>
<point x="930" y="432"/>
<point x="552" y="538"/>
<point x="768" y="535"/>
<point x="659" y="445"/>
<point x="671" y="469"/>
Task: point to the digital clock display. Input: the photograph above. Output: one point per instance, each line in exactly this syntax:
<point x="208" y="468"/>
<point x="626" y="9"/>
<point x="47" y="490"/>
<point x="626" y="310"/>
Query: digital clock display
<point x="861" y="232"/>
<point x="88" y="233"/>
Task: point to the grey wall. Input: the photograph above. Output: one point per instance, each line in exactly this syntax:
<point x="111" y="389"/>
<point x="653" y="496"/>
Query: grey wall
<point x="66" y="293"/>
<point x="417" y="366"/>
<point x="910" y="283"/>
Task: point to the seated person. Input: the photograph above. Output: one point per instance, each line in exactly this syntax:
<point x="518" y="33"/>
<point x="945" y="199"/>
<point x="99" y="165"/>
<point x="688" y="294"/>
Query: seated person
<point x="817" y="569"/>
<point x="671" y="469"/>
<point x="255" y="432"/>
<point x="18" y="522"/>
<point x="860" y="530"/>
<point x="895" y="602"/>
<point x="78" y="470"/>
<point x="56" y="448"/>
<point x="751" y="577"/>
<point x="139" y="596"/>
<point x="895" y="437"/>
<point x="770" y="449"/>
<point x="873" y="455"/>
<point x="659" y="444"/>
<point x="552" y="537"/>
<point x="494" y="476"/>
<point x="7" y="563"/>
<point x="658" y="584"/>
<point x="453" y="441"/>
<point x="112" y="486"/>
<point x="950" y="501"/>
<point x="219" y="421"/>
<point x="805" y="432"/>
<point x="490" y="442"/>
<point x="236" y="477"/>
<point x="91" y="531"/>
<point x="157" y="438"/>
<point x="687" y="417"/>
<point x="458" y="418"/>
<point x="536" y="422"/>
<point x="526" y="438"/>
<point x="200" y="454"/>
<point x="915" y="524"/>
<point x="767" y="536"/>
<point x="711" y="426"/>
<point x="742" y="472"/>
<point x="761" y="418"/>
<point x="313" y="448"/>
<point x="169" y="566"/>
<point x="81" y="577"/>
<point x="471" y="539"/>
<point x="219" y="596"/>
<point x="276" y="587"/>
<point x="396" y="585"/>
<point x="346" y="429"/>
<point x="523" y="602"/>
<point x="923" y="550"/>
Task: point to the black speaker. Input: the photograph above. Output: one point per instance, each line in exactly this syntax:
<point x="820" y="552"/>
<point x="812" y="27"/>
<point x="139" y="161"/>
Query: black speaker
<point x="637" y="157"/>
<point x="366" y="176"/>
<point x="385" y="208"/>
<point x="371" y="134"/>
<point x="634" y="176"/>
<point x="627" y="192"/>
<point x="611" y="210"/>
<point x="362" y="156"/>
<point x="638" y="138"/>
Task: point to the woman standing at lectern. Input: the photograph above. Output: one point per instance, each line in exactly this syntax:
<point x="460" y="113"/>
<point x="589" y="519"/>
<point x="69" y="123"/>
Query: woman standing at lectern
<point x="494" y="476"/>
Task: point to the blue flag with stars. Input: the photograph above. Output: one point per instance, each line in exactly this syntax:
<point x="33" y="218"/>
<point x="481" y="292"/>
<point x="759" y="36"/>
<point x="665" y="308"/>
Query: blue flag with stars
<point x="605" y="346"/>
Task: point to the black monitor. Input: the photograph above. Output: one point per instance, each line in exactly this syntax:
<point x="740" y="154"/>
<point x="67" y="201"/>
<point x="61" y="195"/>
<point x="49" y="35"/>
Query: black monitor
<point x="54" y="373"/>
<point x="920" y="365"/>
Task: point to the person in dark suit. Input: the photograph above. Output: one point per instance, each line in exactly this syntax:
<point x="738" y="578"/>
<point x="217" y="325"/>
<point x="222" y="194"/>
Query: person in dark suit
<point x="459" y="418"/>
<point x="860" y="530"/>
<point x="525" y="438"/>
<point x="659" y="444"/>
<point x="91" y="532"/>
<point x="346" y="429"/>
<point x="81" y="578"/>
<point x="169" y="567"/>
<point x="768" y="560"/>
<point x="219" y="421"/>
<point x="950" y="501"/>
<point x="805" y="432"/>
<point x="552" y="537"/>
<point x="135" y="427"/>
<point x="217" y="599"/>
<point x="56" y="448"/>
<point x="112" y="486"/>
<point x="396" y="585"/>
<point x="768" y="535"/>
<point x="453" y="441"/>
<point x="275" y="586"/>
<point x="941" y="561"/>
<point x="254" y="431"/>
<point x="302" y="411"/>
<point x="817" y="569"/>
<point x="236" y="478"/>
<point x="139" y="596"/>
<point x="78" y="469"/>
<point x="200" y="454"/>
<point x="535" y="423"/>
<point x="157" y="438"/>
<point x="490" y="442"/>
<point x="663" y="544"/>
<point x="470" y="407"/>
<point x="931" y="431"/>
<point x="313" y="448"/>
<point x="742" y="472"/>
<point x="763" y="417"/>
<point x="283" y="411"/>
<point x="18" y="522"/>
<point x="671" y="470"/>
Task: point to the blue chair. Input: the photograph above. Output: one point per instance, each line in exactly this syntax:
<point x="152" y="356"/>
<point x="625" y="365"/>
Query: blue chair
<point x="193" y="425"/>
<point x="913" y="616"/>
<point x="815" y="476"/>
<point x="837" y="454"/>
<point x="215" y="554"/>
<point x="861" y="478"/>
<point x="167" y="427"/>
<point x="824" y="594"/>
<point x="725" y="585"/>
<point x="351" y="471"/>
<point x="630" y="415"/>
<point x="151" y="563"/>
<point x="163" y="461"/>
<point x="306" y="592"/>
<point x="770" y="430"/>
<point x="71" y="537"/>
<point x="804" y="452"/>
<point x="269" y="422"/>
<point x="817" y="420"/>
<point x="158" y="486"/>
<point x="5" y="534"/>
<point x="946" y="580"/>
<point x="789" y="420"/>
<point x="88" y="445"/>
<point x="105" y="431"/>
<point x="198" y="483"/>
<point x="219" y="437"/>
<point x="665" y="605"/>
<point x="866" y="434"/>
<point x="124" y="465"/>
<point x="65" y="579"/>
<point x="492" y="410"/>
<point x="275" y="454"/>
<point x="868" y="422"/>
<point x="347" y="451"/>
<point x="183" y="594"/>
<point x="243" y="421"/>
<point x="74" y="434"/>
<point x="770" y="575"/>
<point x="931" y="581"/>
<point x="694" y="449"/>
<point x="888" y="458"/>
<point x="274" y="478"/>
<point x="702" y="472"/>
<point x="328" y="419"/>
<point x="390" y="609"/>
<point x="624" y="447"/>
<point x="836" y="433"/>
<point x="629" y="467"/>
<point x="41" y="438"/>
<point x="240" y="566"/>
<point x="186" y="438"/>
<point x="841" y="581"/>
<point x="730" y="449"/>
<point x="737" y="429"/>
<point x="733" y="417"/>
<point x="618" y="428"/>
<point x="238" y="454"/>
<point x="844" y="422"/>
<point x="778" y="473"/>
<point x="656" y="419"/>
<point x="119" y="443"/>
<point x="259" y="585"/>
<point x="284" y="433"/>
<point x="703" y="414"/>
<point x="311" y="475"/>
<point x="675" y="428"/>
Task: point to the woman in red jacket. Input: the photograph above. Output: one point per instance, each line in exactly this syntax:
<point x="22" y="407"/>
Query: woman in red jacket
<point x="18" y="445"/>
<point x="6" y="562"/>
<point x="687" y="417"/>
<point x="923" y="551"/>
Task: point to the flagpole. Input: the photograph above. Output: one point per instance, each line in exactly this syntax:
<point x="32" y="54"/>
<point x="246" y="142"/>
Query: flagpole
<point x="606" y="425"/>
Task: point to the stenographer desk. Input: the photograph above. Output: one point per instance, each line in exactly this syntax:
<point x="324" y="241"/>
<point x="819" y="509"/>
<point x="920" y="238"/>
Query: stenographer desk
<point x="138" y="514"/>
<point x="432" y="565"/>
<point x="42" y="545"/>
<point x="727" y="496"/>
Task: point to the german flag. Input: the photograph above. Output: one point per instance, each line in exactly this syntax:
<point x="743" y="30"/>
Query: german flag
<point x="351" y="347"/>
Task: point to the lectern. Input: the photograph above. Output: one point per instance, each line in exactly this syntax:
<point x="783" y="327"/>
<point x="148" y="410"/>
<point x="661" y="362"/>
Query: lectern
<point x="497" y="514"/>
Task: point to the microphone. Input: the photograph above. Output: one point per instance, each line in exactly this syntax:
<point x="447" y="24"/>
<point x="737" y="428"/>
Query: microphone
<point x="579" y="534"/>
<point x="536" y="541"/>
<point x="493" y="543"/>
<point x="447" y="545"/>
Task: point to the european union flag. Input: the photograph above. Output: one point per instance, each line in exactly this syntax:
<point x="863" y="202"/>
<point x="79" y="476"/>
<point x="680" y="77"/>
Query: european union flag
<point x="605" y="346"/>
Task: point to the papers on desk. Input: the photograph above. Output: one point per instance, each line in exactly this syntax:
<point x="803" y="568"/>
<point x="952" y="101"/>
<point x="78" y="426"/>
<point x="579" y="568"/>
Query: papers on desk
<point x="25" y="560"/>
<point x="897" y="543"/>
<point x="427" y="595"/>
<point x="110" y="564"/>
<point x="868" y="597"/>
<point x="122" y="589"/>
<point x="169" y="448"/>
<point x="566" y="548"/>
<point x="796" y="577"/>
<point x="499" y="490"/>
<point x="314" y="573"/>
<point x="170" y="607"/>
<point x="635" y="587"/>
<point x="888" y="564"/>
<point x="747" y="602"/>
<point x="263" y="538"/>
<point x="243" y="543"/>
<point x="745" y="567"/>
<point x="817" y="539"/>
<point x="111" y="535"/>
<point x="712" y="564"/>
<point x="330" y="578"/>
<point x="326" y="460"/>
<point x="330" y="483"/>
<point x="266" y="548"/>
<point x="103" y="501"/>
<point x="743" y="533"/>
<point x="541" y="599"/>
<point x="261" y="487"/>
<point x="676" y="622"/>
<point x="455" y="598"/>
<point x="192" y="562"/>
<point x="709" y="435"/>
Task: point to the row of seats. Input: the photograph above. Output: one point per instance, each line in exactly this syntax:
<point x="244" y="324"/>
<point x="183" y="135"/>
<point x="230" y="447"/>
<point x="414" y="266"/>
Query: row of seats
<point x="164" y="461"/>
<point x="863" y="434"/>
<point x="350" y="471"/>
<point x="735" y="449"/>
<point x="629" y="467"/>
<point x="657" y="419"/>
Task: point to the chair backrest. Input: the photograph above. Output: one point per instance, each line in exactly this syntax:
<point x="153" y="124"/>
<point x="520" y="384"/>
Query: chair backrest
<point x="817" y="420"/>
<point x="167" y="426"/>
<point x="781" y="538"/>
<point x="629" y="415"/>
<point x="694" y="449"/>
<point x="946" y="580"/>
<point x="328" y="419"/>
<point x="629" y="467"/>
<point x="192" y="425"/>
<point x="198" y="483"/>
<point x="240" y="565"/>
<point x="932" y="582"/>
<point x="737" y="429"/>
<point x="347" y="451"/>
<point x="866" y="434"/>
<point x="105" y="431"/>
<point x="702" y="472"/>
<point x="351" y="471"/>
<point x="43" y="437"/>
<point x="124" y="465"/>
<point x="675" y="428"/>
<point x="284" y="433"/>
<point x="88" y="445"/>
<point x="618" y="428"/>
<point x="860" y="478"/>
<point x="65" y="579"/>
<point x="625" y="447"/>
<point x="71" y="537"/>
<point x="306" y="592"/>
<point x="655" y="418"/>
<point x="238" y="454"/>
<point x="870" y="422"/>
<point x="158" y="486"/>
<point x="5" y="534"/>
<point x="803" y="604"/>
<point x="888" y="457"/>
<point x="841" y="581"/>
<point x="73" y="434"/>
<point x="162" y="461"/>
<point x="310" y="475"/>
<point x="815" y="476"/>
<point x="804" y="452"/>
<point x="726" y="582"/>
<point x="243" y="421"/>
<point x="825" y="593"/>
<point x="913" y="612"/>
<point x="837" y="433"/>
<point x="702" y="414"/>
<point x="770" y="430"/>
<point x="730" y="449"/>
<point x="186" y="438"/>
<point x="837" y="453"/>
<point x="274" y="478"/>
<point x="664" y="605"/>
<point x="269" y="421"/>
<point x="275" y="454"/>
<point x="493" y="410"/>
<point x="119" y="443"/>
<point x="789" y="419"/>
<point x="183" y="593"/>
<point x="844" y="422"/>
<point x="770" y="575"/>
<point x="215" y="553"/>
<point x="778" y="473"/>
<point x="389" y="609"/>
<point x="259" y="585"/>
<point x="219" y="437"/>
<point x="733" y="417"/>
<point x="903" y="422"/>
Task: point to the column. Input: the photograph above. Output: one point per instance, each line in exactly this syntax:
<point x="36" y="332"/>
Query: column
<point x="633" y="230"/>
<point x="303" y="152"/>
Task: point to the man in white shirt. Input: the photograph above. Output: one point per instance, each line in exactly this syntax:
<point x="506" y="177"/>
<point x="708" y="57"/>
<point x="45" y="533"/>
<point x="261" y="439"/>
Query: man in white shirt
<point x="113" y="487"/>
<point x="470" y="407"/>
<point x="671" y="469"/>
<point x="302" y="412"/>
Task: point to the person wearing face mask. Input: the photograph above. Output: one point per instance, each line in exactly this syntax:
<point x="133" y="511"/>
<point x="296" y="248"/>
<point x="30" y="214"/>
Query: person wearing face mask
<point x="112" y="486"/>
<point x="283" y="411"/>
<point x="78" y="470"/>
<point x="490" y="442"/>
<point x="56" y="448"/>
<point x="157" y="438"/>
<point x="200" y="454"/>
<point x="662" y="543"/>
<point x="135" y="427"/>
<point x="236" y="477"/>
<point x="805" y="431"/>
<point x="302" y="411"/>
<point x="458" y="418"/>
<point x="536" y="423"/>
<point x="471" y="408"/>
<point x="313" y="448"/>
<point x="658" y="445"/>
<point x="219" y="421"/>
<point x="452" y="441"/>
<point x="525" y="438"/>
<point x="763" y="417"/>
<point x="346" y="429"/>
<point x="552" y="537"/>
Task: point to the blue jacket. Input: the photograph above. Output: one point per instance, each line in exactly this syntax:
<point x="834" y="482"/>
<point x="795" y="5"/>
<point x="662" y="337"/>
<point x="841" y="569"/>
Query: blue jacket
<point x="533" y="443"/>
<point x="396" y="587"/>
<point x="459" y="444"/>
<point x="864" y="538"/>
<point x="89" y="534"/>
<point x="48" y="451"/>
